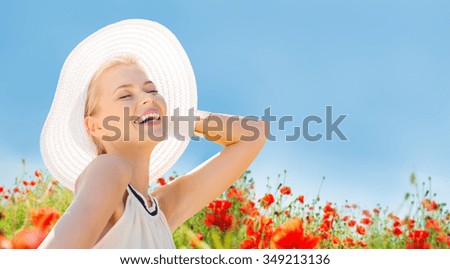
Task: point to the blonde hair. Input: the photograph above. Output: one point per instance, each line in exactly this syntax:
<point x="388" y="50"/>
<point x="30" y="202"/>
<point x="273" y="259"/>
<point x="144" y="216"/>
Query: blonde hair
<point x="92" y="95"/>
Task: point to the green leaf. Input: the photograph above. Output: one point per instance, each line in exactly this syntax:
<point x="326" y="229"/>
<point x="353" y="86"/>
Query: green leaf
<point x="227" y="239"/>
<point x="412" y="178"/>
<point x="216" y="240"/>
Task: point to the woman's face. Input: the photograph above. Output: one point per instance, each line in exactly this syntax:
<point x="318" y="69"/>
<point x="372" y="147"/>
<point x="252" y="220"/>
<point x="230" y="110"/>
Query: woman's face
<point x="126" y="95"/>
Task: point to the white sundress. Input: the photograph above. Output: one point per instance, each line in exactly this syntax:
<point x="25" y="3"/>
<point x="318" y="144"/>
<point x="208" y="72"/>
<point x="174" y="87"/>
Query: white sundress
<point x="139" y="227"/>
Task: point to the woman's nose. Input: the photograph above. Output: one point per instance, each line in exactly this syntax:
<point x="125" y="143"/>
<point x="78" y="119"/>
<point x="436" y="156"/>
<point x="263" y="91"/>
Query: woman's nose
<point x="146" y="98"/>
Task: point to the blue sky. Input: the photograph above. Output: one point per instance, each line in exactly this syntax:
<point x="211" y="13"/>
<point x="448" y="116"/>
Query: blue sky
<point x="384" y="64"/>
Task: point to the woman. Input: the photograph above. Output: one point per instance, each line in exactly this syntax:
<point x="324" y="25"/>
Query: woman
<point x="128" y="78"/>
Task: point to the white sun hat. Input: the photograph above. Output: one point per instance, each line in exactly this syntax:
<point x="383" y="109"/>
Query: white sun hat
<point x="65" y="145"/>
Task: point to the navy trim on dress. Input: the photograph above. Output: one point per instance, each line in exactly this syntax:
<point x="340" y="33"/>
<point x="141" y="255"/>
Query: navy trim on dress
<point x="144" y="203"/>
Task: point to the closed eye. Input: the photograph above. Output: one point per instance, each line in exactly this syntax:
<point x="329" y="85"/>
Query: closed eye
<point x="128" y="95"/>
<point x="124" y="96"/>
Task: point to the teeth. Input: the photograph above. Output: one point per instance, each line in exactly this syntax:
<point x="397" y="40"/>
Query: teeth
<point x="152" y="116"/>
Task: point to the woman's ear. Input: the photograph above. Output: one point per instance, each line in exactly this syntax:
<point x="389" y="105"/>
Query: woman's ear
<point x="92" y="126"/>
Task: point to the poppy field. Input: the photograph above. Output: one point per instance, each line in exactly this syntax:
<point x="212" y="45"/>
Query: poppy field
<point x="282" y="218"/>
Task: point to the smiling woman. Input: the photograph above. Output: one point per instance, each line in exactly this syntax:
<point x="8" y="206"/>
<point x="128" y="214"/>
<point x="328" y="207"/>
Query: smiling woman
<point x="92" y="95"/>
<point x="106" y="76"/>
<point x="116" y="101"/>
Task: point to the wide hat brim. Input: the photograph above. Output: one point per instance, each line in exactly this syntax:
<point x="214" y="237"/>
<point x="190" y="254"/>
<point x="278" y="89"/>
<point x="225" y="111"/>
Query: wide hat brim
<point x="65" y="145"/>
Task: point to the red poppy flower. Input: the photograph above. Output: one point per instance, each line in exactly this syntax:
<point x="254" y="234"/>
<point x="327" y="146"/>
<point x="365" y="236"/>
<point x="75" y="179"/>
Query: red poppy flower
<point x="290" y="235"/>
<point x="345" y="218"/>
<point x="33" y="183"/>
<point x="16" y="189"/>
<point x="4" y="242"/>
<point x="351" y="223"/>
<point x="267" y="200"/>
<point x="259" y="234"/>
<point x="430" y="205"/>
<point x="249" y="209"/>
<point x="250" y="223"/>
<point x="1" y="189"/>
<point x="362" y="244"/>
<point x="37" y="173"/>
<point x="327" y="215"/>
<point x="328" y="208"/>
<point x="217" y="215"/>
<point x="335" y="240"/>
<point x="248" y="244"/>
<point x="349" y="242"/>
<point x="366" y="221"/>
<point x="44" y="218"/>
<point x="443" y="238"/>
<point x="236" y="193"/>
<point x="325" y="225"/>
<point x="325" y="235"/>
<point x="25" y="183"/>
<point x="418" y="239"/>
<point x="360" y="229"/>
<point x="285" y="190"/>
<point x="329" y="211"/>
<point x="195" y="238"/>
<point x="161" y="181"/>
<point x="411" y="223"/>
<point x="301" y="199"/>
<point x="433" y="224"/>
<point x="6" y="197"/>
<point x="397" y="231"/>
<point x="376" y="211"/>
<point x="367" y="213"/>
<point x="29" y="238"/>
<point x="393" y="217"/>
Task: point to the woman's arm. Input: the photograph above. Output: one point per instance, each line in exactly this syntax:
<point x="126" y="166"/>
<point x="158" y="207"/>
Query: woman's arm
<point x="100" y="192"/>
<point x="242" y="138"/>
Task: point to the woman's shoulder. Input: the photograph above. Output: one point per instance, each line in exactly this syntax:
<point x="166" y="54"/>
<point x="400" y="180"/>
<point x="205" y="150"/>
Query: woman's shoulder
<point x="101" y="187"/>
<point x="105" y="167"/>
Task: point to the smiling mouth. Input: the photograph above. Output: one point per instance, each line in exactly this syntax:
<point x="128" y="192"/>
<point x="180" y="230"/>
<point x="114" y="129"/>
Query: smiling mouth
<point x="149" y="118"/>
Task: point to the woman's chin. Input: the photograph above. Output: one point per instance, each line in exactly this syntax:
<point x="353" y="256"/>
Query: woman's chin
<point x="150" y="133"/>
<point x="149" y="142"/>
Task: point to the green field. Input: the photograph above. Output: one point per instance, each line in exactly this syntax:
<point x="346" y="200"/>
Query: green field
<point x="281" y="218"/>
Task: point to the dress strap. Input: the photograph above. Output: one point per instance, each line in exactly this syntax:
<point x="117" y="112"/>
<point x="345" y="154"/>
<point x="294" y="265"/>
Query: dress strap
<point x="152" y="210"/>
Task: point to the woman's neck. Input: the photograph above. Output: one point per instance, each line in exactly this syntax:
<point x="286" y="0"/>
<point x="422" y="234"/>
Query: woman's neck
<point x="139" y="162"/>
